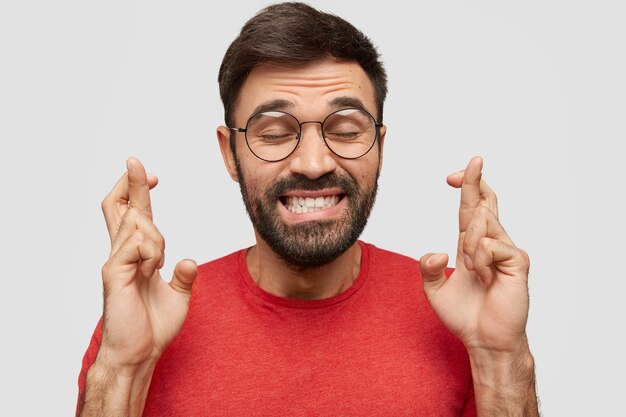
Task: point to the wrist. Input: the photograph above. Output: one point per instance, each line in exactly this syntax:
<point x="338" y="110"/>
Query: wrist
<point x="111" y="386"/>
<point x="502" y="368"/>
<point x="504" y="382"/>
<point x="107" y="361"/>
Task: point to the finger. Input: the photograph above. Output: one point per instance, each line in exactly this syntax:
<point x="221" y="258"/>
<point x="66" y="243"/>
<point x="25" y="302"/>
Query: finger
<point x="483" y="224"/>
<point x="136" y="254"/>
<point x="432" y="267"/>
<point x="456" y="179"/>
<point x="185" y="273"/>
<point x="496" y="255"/>
<point x="133" y="220"/>
<point x="115" y="203"/>
<point x="488" y="198"/>
<point x="470" y="191"/>
<point x="138" y="190"/>
<point x="151" y="257"/>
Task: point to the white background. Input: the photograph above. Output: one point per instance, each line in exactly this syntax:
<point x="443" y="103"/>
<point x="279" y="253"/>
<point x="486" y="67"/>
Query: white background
<point x="537" y="88"/>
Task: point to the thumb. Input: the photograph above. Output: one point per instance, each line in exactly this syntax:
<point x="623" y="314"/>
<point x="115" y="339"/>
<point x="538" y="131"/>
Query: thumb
<point x="433" y="266"/>
<point x="184" y="274"/>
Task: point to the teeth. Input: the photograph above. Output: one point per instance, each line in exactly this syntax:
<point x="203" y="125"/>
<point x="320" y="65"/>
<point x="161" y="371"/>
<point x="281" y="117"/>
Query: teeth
<point x="302" y="205"/>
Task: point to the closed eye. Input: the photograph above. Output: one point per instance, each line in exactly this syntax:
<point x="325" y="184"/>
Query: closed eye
<point x="277" y="137"/>
<point x="343" y="135"/>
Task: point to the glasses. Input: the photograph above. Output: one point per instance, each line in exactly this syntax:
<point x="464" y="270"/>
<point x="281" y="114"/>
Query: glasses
<point x="273" y="135"/>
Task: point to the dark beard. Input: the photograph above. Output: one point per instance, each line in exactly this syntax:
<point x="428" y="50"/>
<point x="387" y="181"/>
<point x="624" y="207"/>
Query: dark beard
<point x="314" y="243"/>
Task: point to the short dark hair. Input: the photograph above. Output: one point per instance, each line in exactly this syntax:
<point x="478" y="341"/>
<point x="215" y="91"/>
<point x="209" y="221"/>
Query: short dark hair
<point x="295" y="33"/>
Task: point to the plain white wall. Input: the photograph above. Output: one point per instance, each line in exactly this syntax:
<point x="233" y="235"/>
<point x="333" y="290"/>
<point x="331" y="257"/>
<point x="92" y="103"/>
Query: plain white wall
<point x="535" y="87"/>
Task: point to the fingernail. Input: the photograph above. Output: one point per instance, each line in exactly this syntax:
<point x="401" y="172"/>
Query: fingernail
<point x="128" y="165"/>
<point x="468" y="262"/>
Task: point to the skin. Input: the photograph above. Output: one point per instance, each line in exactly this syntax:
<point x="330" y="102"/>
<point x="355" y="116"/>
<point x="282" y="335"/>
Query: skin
<point x="484" y="302"/>
<point x="142" y="313"/>
<point x="310" y="89"/>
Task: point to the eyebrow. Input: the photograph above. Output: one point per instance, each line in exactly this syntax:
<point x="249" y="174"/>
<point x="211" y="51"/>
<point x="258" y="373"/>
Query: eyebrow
<point x="273" y="105"/>
<point x="347" y="102"/>
<point x="280" y="104"/>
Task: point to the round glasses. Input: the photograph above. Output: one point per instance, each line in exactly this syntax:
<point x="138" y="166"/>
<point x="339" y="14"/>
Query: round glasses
<point x="273" y="135"/>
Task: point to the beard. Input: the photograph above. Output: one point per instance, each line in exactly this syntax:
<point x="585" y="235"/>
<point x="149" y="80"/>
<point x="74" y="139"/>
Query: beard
<point x="314" y="243"/>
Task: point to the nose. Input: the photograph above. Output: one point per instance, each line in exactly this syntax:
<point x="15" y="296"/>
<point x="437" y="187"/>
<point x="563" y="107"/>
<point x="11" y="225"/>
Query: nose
<point x="312" y="158"/>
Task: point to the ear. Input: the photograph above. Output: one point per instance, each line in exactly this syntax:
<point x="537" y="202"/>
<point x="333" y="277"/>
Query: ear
<point x="223" y="137"/>
<point x="381" y="139"/>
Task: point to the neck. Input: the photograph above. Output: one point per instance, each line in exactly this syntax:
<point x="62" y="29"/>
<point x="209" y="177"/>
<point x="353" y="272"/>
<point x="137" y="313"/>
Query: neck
<point x="275" y="276"/>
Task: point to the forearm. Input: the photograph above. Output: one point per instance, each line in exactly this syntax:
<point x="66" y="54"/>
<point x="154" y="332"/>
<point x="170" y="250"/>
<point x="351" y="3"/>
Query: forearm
<point x="504" y="385"/>
<point x="113" y="392"/>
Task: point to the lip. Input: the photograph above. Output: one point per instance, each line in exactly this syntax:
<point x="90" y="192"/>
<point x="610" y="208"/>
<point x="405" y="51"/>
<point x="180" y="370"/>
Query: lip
<point x="323" y="214"/>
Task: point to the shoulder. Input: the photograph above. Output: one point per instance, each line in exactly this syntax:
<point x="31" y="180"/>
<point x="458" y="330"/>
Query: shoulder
<point x="217" y="281"/>
<point x="383" y="260"/>
<point x="219" y="274"/>
<point x="226" y="264"/>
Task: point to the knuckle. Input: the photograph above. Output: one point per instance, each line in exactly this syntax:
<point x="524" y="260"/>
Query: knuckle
<point x="467" y="246"/>
<point x="105" y="271"/>
<point x="484" y="244"/>
<point x="129" y="218"/>
<point x="105" y="205"/>
<point x="131" y="213"/>
<point x="525" y="258"/>
<point x="139" y="236"/>
<point x="483" y="211"/>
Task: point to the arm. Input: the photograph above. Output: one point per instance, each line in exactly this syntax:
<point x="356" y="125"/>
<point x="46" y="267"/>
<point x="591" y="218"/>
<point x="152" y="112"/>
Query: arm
<point x="505" y="385"/>
<point x="115" y="392"/>
<point x="142" y="313"/>
<point x="485" y="301"/>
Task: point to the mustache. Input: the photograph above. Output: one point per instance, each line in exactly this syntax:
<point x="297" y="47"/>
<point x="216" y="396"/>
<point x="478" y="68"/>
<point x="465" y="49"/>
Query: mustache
<point x="300" y="182"/>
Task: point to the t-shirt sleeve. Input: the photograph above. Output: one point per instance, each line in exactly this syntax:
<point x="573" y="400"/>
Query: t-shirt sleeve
<point x="469" y="409"/>
<point x="88" y="360"/>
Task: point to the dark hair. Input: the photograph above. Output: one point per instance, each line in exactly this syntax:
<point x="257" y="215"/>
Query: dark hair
<point x="295" y="34"/>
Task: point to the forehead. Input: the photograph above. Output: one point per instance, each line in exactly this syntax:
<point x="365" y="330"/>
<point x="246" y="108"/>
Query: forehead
<point x="307" y="92"/>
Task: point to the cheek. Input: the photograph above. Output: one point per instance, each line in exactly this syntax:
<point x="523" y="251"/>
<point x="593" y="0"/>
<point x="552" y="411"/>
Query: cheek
<point x="258" y="176"/>
<point x="364" y="171"/>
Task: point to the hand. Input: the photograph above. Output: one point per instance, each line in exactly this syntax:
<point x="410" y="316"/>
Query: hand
<point x="485" y="300"/>
<point x="142" y="313"/>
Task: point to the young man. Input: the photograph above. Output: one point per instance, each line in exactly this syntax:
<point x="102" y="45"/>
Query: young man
<point x="309" y="321"/>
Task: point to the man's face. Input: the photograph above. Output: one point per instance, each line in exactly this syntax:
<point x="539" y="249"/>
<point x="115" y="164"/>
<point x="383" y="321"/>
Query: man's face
<point x="277" y="195"/>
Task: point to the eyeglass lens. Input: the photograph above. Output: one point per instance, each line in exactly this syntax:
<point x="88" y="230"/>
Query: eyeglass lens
<point x="272" y="136"/>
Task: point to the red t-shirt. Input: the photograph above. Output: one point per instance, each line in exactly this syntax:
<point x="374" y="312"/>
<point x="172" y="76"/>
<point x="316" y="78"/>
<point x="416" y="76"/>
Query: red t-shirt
<point x="377" y="349"/>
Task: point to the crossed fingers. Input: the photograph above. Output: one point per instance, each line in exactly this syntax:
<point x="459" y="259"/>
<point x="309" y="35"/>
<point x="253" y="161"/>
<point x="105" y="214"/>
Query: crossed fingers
<point x="128" y="214"/>
<point x="132" y="190"/>
<point x="483" y="242"/>
<point x="474" y="191"/>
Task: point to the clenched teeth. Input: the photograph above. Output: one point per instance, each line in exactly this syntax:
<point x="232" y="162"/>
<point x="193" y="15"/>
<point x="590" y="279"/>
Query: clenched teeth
<point x="309" y="204"/>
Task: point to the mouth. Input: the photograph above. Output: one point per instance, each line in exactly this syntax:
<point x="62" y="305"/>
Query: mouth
<point x="304" y="204"/>
<point x="298" y="203"/>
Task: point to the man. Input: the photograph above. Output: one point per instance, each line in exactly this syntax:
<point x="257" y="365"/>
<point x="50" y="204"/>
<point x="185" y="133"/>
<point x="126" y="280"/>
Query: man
<point x="309" y="321"/>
